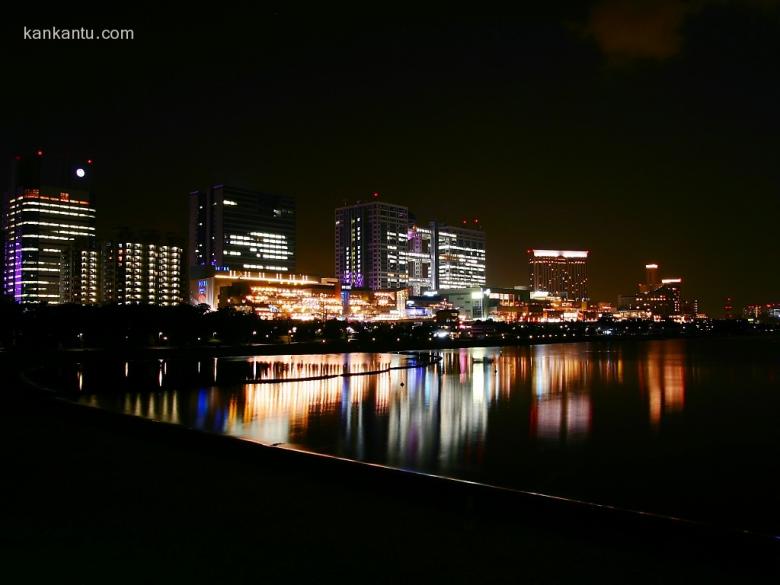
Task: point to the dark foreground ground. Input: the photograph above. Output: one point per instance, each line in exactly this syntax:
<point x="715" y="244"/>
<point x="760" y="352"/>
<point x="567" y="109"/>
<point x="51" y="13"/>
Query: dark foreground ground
<point x="93" y="498"/>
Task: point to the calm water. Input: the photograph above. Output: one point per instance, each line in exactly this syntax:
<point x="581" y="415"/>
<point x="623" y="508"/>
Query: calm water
<point x="688" y="428"/>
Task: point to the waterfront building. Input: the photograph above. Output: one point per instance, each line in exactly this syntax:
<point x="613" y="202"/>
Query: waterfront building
<point x="49" y="207"/>
<point x="80" y="274"/>
<point x="270" y="295"/>
<point x="651" y="278"/>
<point x="762" y="312"/>
<point x="499" y="304"/>
<point x="374" y="305"/>
<point x="421" y="260"/>
<point x="459" y="256"/>
<point x="142" y="269"/>
<point x="655" y="299"/>
<point x="559" y="273"/>
<point x="233" y="228"/>
<point x="442" y="256"/>
<point x="295" y="296"/>
<point x="544" y="308"/>
<point x="371" y="245"/>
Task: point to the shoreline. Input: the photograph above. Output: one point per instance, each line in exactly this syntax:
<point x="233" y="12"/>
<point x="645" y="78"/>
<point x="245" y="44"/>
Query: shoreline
<point x="113" y="486"/>
<point x="487" y="497"/>
<point x="317" y="348"/>
<point x="550" y="505"/>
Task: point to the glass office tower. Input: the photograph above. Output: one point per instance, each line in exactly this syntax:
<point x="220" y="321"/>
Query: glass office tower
<point x="239" y="229"/>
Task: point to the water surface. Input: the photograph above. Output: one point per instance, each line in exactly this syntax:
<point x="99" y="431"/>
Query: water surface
<point x="687" y="428"/>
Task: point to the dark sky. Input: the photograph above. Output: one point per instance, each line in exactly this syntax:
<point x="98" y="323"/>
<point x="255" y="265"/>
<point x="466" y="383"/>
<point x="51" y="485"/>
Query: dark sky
<point x="642" y="131"/>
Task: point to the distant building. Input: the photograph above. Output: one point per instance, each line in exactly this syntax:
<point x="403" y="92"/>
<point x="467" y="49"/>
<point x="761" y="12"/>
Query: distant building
<point x="651" y="278"/>
<point x="371" y="245"/>
<point x="672" y="288"/>
<point x="762" y="312"/>
<point x="502" y="304"/>
<point x="559" y="273"/>
<point x="421" y="260"/>
<point x="80" y="274"/>
<point x="269" y="295"/>
<point x="142" y="269"/>
<point x="441" y="256"/>
<point x="239" y="229"/>
<point x="460" y="257"/>
<point x="728" y="309"/>
<point x="49" y="207"/>
<point x="655" y="299"/>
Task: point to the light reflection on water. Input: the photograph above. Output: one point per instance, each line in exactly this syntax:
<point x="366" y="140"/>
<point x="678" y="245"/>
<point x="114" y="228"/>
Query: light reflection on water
<point x="428" y="416"/>
<point x="526" y="417"/>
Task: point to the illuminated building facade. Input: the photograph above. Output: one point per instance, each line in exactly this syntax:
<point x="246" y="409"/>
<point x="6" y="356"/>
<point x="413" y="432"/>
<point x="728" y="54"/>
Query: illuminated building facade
<point x="240" y="229"/>
<point x="293" y="296"/>
<point x="656" y="299"/>
<point x="80" y="274"/>
<point x="459" y="257"/>
<point x="378" y="247"/>
<point x="142" y="271"/>
<point x="500" y="304"/>
<point x="420" y="260"/>
<point x="672" y="288"/>
<point x="269" y="295"/>
<point x="559" y="273"/>
<point x="48" y="208"/>
<point x="445" y="257"/>
<point x="768" y="312"/>
<point x="371" y="245"/>
<point x="369" y="305"/>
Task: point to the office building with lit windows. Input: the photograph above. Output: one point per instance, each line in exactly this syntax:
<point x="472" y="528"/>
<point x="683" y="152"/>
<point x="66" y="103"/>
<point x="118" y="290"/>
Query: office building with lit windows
<point x="420" y="262"/>
<point x="143" y="269"/>
<point x="441" y="256"/>
<point x="371" y="245"/>
<point x="559" y="273"/>
<point x="239" y="229"/>
<point x="49" y="208"/>
<point x="658" y="298"/>
<point x="459" y="257"/>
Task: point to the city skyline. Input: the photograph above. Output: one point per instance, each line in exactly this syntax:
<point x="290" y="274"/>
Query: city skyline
<point x="552" y="129"/>
<point x="226" y="223"/>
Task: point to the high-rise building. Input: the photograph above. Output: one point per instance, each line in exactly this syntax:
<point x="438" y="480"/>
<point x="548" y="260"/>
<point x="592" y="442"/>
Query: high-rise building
<point x="239" y="229"/>
<point x="459" y="257"/>
<point x="371" y="245"/>
<point x="660" y="299"/>
<point x="672" y="287"/>
<point x="142" y="269"/>
<point x="49" y="207"/>
<point x="651" y="278"/>
<point x="559" y="273"/>
<point x="420" y="260"/>
<point x="80" y="274"/>
<point x="441" y="256"/>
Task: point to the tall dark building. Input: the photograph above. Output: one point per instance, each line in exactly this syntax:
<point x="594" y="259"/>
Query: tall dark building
<point x="559" y="273"/>
<point x="49" y="208"/>
<point x="651" y="278"/>
<point x="371" y="245"/>
<point x="240" y="229"/>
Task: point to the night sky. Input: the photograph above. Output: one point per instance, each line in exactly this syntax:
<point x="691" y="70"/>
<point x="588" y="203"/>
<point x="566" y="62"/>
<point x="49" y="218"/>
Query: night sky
<point x="642" y="131"/>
